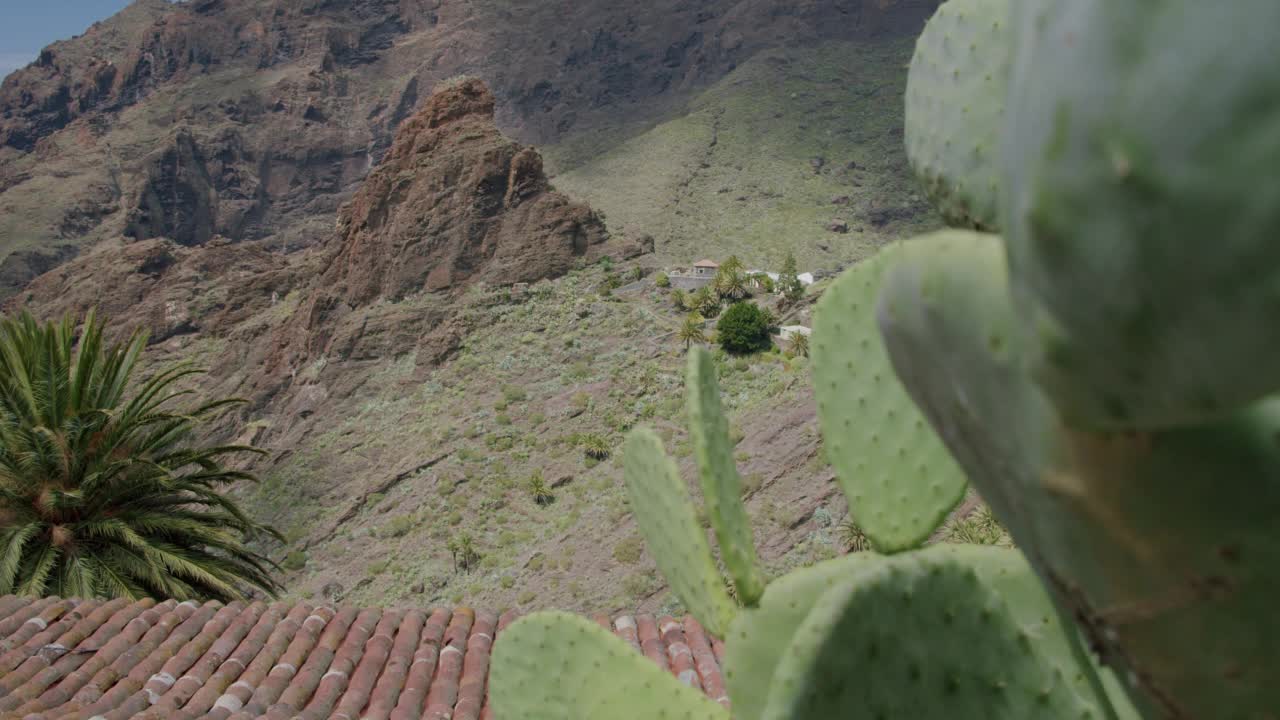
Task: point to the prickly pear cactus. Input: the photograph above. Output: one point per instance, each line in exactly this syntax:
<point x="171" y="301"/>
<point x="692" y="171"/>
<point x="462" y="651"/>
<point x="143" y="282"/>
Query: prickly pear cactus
<point x="955" y="100"/>
<point x="664" y="511"/>
<point x="1142" y="539"/>
<point x="759" y="638"/>
<point x="920" y="635"/>
<point x="1140" y="155"/>
<point x="899" y="480"/>
<point x="721" y="485"/>
<point x="556" y="666"/>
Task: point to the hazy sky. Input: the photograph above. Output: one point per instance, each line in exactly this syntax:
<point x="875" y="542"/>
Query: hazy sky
<point x="26" y="26"/>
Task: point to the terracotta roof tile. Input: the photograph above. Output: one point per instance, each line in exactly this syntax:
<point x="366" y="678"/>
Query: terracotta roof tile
<point x="112" y="660"/>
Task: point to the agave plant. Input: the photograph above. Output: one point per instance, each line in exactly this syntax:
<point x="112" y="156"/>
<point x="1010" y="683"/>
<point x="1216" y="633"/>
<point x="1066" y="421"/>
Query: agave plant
<point x="104" y="489"/>
<point x="538" y="489"/>
<point x="596" y="447"/>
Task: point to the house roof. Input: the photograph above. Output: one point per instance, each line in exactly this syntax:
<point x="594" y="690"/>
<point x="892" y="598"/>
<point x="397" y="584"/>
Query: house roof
<point x="123" y="659"/>
<point x="707" y="264"/>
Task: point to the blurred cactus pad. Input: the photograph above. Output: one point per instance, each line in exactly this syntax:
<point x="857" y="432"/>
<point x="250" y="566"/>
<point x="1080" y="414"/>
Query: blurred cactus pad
<point x="1101" y="375"/>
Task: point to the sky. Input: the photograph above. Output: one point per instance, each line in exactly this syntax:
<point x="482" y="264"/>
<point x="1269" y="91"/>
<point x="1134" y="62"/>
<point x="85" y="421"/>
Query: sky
<point x="26" y="26"/>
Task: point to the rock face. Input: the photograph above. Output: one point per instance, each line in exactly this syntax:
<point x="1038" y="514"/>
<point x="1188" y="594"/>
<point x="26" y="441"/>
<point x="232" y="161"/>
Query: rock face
<point x="453" y="202"/>
<point x="255" y="120"/>
<point x="164" y="288"/>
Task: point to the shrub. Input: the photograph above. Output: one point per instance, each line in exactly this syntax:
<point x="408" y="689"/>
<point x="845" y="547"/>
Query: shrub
<point x="979" y="527"/>
<point x="527" y="597"/>
<point x="744" y="329"/>
<point x="295" y="560"/>
<point x="852" y="537"/>
<point x="399" y="526"/>
<point x="680" y="299"/>
<point x="628" y="550"/>
<point x="538" y="489"/>
<point x="514" y="394"/>
<point x="662" y="280"/>
<point x="595" y="447"/>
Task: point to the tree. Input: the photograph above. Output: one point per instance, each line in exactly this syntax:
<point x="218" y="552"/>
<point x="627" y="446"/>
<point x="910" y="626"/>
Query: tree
<point x="464" y="552"/>
<point x="104" y="489"/>
<point x="799" y="344"/>
<point x="744" y="329"/>
<point x="788" y="280"/>
<point x="733" y="265"/>
<point x="705" y="302"/>
<point x="680" y="299"/>
<point x="731" y="284"/>
<point x="691" y="331"/>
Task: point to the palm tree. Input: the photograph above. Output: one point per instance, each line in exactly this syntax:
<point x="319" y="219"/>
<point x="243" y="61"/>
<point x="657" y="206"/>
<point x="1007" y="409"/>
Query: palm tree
<point x="691" y="331"/>
<point x="731" y="284"/>
<point x="733" y="265"/>
<point x="799" y="345"/>
<point x="104" y="491"/>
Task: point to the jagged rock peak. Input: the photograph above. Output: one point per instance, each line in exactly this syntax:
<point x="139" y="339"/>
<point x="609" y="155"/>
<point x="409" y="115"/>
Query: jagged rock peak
<point x="455" y="201"/>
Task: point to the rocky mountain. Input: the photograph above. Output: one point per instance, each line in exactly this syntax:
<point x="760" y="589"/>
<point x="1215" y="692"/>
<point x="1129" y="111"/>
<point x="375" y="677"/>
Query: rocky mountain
<point x="255" y="120"/>
<point x="334" y="206"/>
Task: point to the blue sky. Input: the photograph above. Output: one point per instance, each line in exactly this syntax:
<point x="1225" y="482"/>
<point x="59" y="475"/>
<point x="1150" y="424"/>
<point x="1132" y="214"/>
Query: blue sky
<point x="26" y="26"/>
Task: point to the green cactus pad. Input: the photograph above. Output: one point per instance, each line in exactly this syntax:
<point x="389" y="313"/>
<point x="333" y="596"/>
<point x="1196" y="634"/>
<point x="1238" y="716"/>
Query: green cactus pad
<point x="721" y="486"/>
<point x="955" y="107"/>
<point x="557" y="666"/>
<point x="996" y="430"/>
<point x="1141" y="161"/>
<point x="1163" y="543"/>
<point x="664" y="512"/>
<point x="759" y="637"/>
<point x="918" y="635"/>
<point x="898" y="478"/>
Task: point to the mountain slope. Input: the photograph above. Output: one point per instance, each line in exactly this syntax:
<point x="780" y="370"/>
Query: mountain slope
<point x="764" y="161"/>
<point x="254" y="120"/>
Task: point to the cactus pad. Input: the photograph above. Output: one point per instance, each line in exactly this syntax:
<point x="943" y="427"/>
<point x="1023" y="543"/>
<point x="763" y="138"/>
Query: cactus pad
<point x="955" y="107"/>
<point x="759" y="637"/>
<point x="721" y="486"/>
<point x="1138" y="531"/>
<point x="874" y="647"/>
<point x="664" y="512"/>
<point x="899" y="480"/>
<point x="1141" y="161"/>
<point x="556" y="666"/>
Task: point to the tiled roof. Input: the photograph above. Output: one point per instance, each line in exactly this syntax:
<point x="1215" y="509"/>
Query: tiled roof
<point x="110" y="660"/>
<point x="707" y="264"/>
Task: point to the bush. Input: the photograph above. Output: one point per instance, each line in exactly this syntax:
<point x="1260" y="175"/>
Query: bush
<point x="744" y="329"/>
<point x="662" y="280"/>
<point x="514" y="394"/>
<point x="399" y="526"/>
<point x="595" y="447"/>
<point x="295" y="560"/>
<point x="538" y="489"/>
<point x="628" y="551"/>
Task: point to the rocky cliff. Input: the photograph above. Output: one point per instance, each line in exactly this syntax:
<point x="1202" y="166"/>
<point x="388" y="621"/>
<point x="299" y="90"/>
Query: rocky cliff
<point x="453" y="203"/>
<point x="254" y="120"/>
